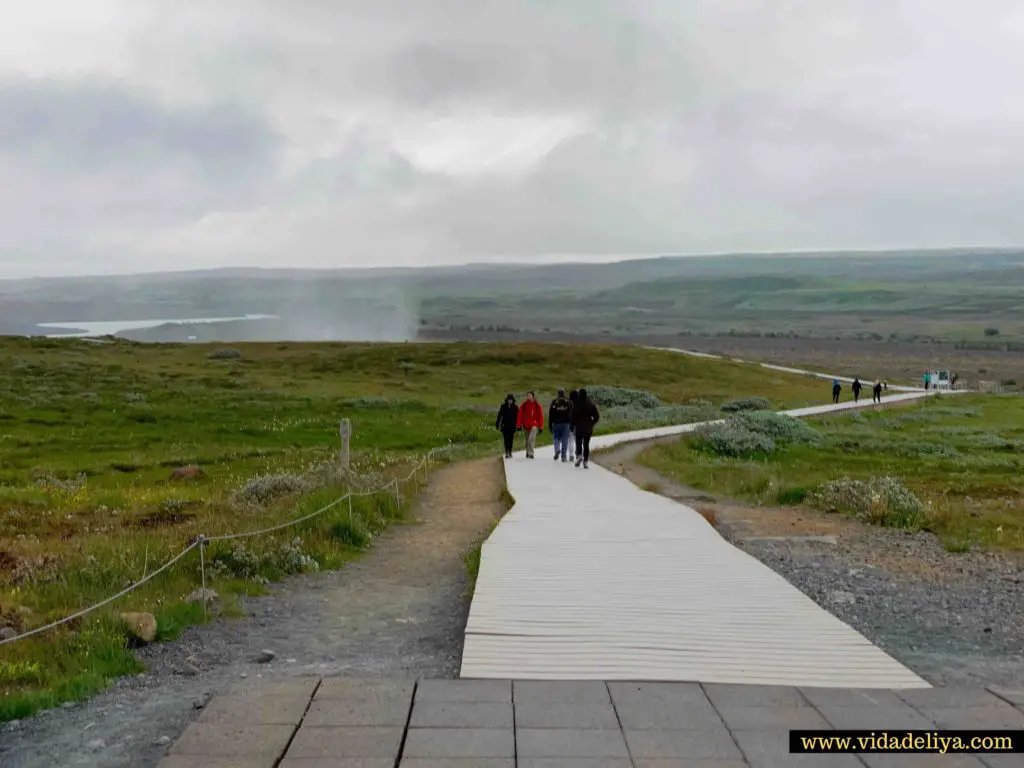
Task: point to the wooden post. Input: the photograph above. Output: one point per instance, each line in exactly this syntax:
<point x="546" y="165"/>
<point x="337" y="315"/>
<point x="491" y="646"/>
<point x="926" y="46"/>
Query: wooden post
<point x="346" y="434"/>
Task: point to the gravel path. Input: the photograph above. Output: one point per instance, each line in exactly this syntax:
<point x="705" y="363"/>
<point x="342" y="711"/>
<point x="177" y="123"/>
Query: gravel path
<point x="399" y="611"/>
<point x="954" y="618"/>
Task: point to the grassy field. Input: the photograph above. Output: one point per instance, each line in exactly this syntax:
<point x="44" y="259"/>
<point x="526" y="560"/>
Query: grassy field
<point x="962" y="457"/>
<point x="90" y="435"/>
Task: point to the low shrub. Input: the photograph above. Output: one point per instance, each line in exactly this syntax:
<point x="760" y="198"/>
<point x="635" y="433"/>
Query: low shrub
<point x="225" y="354"/>
<point x="882" y="501"/>
<point x="623" y="397"/>
<point x="732" y="440"/>
<point x="779" y="427"/>
<point x="266" y="488"/>
<point x="664" y="415"/>
<point x="263" y="567"/>
<point x="747" y="404"/>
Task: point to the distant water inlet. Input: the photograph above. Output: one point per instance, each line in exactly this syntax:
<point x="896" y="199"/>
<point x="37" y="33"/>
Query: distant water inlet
<point x="110" y="327"/>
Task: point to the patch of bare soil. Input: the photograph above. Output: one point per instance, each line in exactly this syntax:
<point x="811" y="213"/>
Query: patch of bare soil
<point x="399" y="611"/>
<point x="954" y="618"/>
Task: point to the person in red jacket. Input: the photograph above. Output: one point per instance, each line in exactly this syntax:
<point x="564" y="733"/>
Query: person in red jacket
<point x="531" y="421"/>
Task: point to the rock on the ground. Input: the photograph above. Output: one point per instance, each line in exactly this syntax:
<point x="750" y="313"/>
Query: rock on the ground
<point x="6" y="633"/>
<point x="202" y="595"/>
<point x="842" y="597"/>
<point x="190" y="472"/>
<point x="162" y="741"/>
<point x="142" y="626"/>
<point x="96" y="745"/>
<point x="264" y="657"/>
<point x="202" y="701"/>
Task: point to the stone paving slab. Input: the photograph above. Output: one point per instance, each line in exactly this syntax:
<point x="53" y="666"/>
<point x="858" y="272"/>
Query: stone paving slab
<point x="346" y="742"/>
<point x="255" y="710"/>
<point x="570" y="743"/>
<point x="381" y="711"/>
<point x="342" y="762"/>
<point x="922" y="761"/>
<point x="235" y="741"/>
<point x="465" y="690"/>
<point x="198" y="761"/>
<point x="459" y="762"/>
<point x="462" y="714"/>
<point x="555" y="714"/>
<point x="715" y="744"/>
<point x="347" y="688"/>
<point x="345" y="723"/>
<point x="460" y="743"/>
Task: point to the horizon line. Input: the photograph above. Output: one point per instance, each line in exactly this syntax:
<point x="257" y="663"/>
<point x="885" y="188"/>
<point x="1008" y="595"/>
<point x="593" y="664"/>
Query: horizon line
<point x="534" y="261"/>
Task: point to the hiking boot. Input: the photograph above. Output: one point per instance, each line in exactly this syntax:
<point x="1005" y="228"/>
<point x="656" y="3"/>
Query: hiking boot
<point x="564" y="460"/>
<point x="578" y="462"/>
<point x="585" y="465"/>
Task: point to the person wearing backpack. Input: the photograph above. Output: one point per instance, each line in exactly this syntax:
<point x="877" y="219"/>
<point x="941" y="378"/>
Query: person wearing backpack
<point x="508" y="422"/>
<point x="560" y="419"/>
<point x="584" y="418"/>
<point x="531" y="421"/>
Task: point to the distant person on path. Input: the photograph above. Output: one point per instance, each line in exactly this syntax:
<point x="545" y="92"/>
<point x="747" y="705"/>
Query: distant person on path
<point x="508" y="422"/>
<point x="876" y="392"/>
<point x="857" y="387"/>
<point x="927" y="380"/>
<point x="560" y="419"/>
<point x="573" y="398"/>
<point x="584" y="418"/>
<point x="952" y="381"/>
<point x="531" y="421"/>
<point x="836" y="389"/>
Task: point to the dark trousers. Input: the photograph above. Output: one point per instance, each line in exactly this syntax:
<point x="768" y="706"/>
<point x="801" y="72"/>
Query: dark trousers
<point x="835" y="395"/>
<point x="583" y="446"/>
<point x="856" y="395"/>
<point x="509" y="439"/>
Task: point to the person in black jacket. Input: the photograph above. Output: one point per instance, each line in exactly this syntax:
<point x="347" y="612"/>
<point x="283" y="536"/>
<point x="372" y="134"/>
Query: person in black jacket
<point x="506" y="423"/>
<point x="560" y="417"/>
<point x="584" y="418"/>
<point x="857" y="387"/>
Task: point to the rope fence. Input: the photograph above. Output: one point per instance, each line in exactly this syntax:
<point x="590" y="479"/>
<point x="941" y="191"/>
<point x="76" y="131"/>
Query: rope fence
<point x="202" y="541"/>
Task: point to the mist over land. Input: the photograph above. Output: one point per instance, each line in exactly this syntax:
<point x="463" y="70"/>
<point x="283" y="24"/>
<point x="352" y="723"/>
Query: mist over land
<point x="958" y="296"/>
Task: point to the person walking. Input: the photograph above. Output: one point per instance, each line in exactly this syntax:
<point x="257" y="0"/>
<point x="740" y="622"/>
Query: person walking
<point x="508" y="422"/>
<point x="857" y="387"/>
<point x="531" y="421"/>
<point x="560" y="417"/>
<point x="573" y="398"/>
<point x="927" y="380"/>
<point x="584" y="418"/>
<point x="836" y="389"/>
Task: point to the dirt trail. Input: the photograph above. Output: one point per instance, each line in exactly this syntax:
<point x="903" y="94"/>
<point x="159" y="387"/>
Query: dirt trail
<point x="399" y="611"/>
<point x="954" y="618"/>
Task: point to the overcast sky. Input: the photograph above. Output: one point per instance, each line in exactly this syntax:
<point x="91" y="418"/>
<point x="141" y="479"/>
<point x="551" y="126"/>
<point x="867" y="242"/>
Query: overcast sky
<point x="141" y="135"/>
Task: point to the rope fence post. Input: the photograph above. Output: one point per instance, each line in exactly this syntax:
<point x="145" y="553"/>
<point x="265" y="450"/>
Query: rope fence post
<point x="350" y="508"/>
<point x="398" y="494"/>
<point x="202" y="568"/>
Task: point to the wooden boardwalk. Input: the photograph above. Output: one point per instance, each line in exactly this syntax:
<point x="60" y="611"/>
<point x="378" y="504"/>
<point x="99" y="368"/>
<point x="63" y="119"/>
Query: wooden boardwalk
<point x="590" y="578"/>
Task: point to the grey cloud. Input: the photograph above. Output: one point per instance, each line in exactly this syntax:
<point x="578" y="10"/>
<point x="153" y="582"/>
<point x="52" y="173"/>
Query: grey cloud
<point x="706" y="125"/>
<point x="88" y="125"/>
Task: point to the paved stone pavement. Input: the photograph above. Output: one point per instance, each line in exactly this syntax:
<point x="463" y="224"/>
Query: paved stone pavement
<point x="374" y="723"/>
